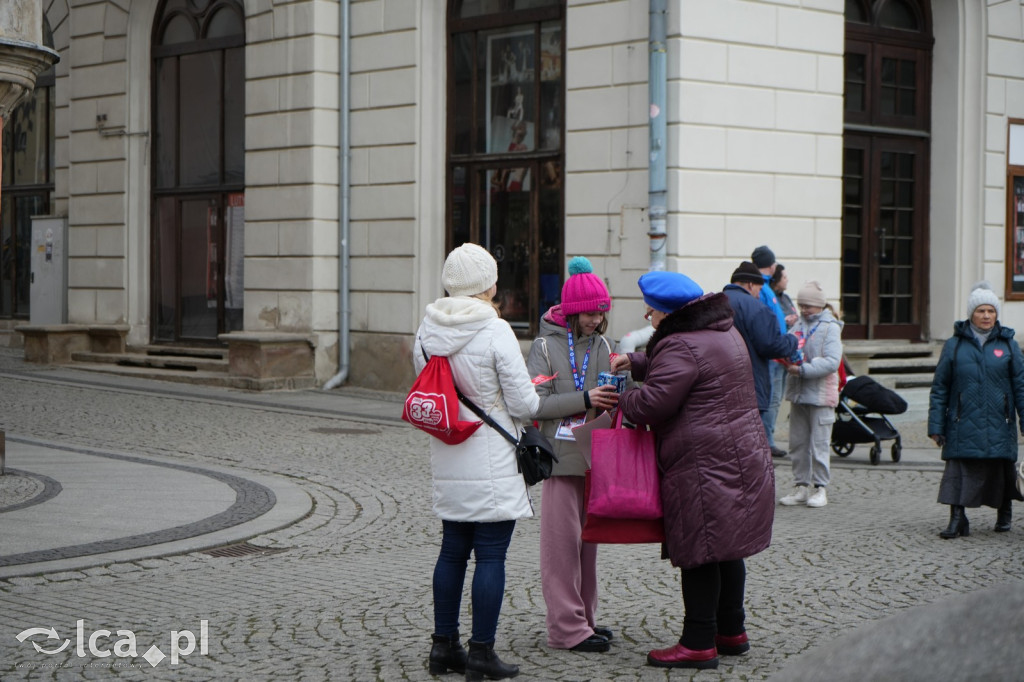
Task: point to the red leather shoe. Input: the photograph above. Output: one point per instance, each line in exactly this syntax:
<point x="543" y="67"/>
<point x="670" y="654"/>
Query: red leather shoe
<point x="732" y="645"/>
<point x="679" y="656"/>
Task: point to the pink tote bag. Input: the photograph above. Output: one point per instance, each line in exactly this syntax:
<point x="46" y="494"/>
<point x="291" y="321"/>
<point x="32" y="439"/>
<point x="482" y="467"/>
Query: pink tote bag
<point x="624" y="479"/>
<point x="598" y="529"/>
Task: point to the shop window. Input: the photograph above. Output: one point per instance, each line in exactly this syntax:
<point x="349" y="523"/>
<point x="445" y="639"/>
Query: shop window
<point x="1015" y="211"/>
<point x="505" y="161"/>
<point x="27" y="190"/>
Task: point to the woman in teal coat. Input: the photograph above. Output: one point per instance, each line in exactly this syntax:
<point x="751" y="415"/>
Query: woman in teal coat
<point x="977" y="400"/>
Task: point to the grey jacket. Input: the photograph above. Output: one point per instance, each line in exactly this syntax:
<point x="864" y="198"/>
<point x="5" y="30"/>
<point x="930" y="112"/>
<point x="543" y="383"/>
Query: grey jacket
<point x="818" y="381"/>
<point x="559" y="397"/>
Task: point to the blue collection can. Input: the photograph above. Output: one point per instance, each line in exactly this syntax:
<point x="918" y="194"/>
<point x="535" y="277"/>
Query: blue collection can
<point x="616" y="380"/>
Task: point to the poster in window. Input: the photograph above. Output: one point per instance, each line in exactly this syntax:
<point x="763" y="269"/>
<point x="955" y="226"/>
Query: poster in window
<point x="234" y="246"/>
<point x="211" y="256"/>
<point x="511" y="109"/>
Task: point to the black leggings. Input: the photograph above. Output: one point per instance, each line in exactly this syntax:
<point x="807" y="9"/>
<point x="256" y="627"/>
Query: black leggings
<point x="713" y="600"/>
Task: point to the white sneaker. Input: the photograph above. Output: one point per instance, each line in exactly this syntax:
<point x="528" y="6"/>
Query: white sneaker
<point x="798" y="496"/>
<point x="818" y="499"/>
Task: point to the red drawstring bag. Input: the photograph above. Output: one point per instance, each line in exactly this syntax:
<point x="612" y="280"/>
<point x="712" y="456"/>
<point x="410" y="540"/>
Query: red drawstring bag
<point x="432" y="404"/>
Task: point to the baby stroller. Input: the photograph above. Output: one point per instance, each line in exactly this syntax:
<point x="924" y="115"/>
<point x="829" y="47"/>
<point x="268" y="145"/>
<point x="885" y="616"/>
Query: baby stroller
<point x="860" y="418"/>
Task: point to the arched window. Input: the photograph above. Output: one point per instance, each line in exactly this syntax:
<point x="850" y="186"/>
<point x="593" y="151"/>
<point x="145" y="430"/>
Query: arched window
<point x="198" y="168"/>
<point x="28" y="163"/>
<point x="900" y="15"/>
<point x="505" y="154"/>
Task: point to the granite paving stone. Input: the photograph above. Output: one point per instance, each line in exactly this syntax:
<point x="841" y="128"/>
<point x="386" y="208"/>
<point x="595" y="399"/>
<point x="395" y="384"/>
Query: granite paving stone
<point x="349" y="597"/>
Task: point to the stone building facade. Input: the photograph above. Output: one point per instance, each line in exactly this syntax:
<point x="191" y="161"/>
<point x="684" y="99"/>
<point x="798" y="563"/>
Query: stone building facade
<point x="872" y="144"/>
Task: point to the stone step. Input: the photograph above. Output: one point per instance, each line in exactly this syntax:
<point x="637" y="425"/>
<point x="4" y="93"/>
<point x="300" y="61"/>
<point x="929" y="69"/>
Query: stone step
<point x="11" y="339"/>
<point x="198" y="377"/>
<point x="900" y="381"/>
<point x="180" y="363"/>
<point x="896" y="348"/>
<point x="180" y="351"/>
<point x="915" y="365"/>
<point x="894" y="363"/>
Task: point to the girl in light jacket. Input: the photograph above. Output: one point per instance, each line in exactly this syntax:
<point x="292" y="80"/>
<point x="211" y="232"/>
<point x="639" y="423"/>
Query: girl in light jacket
<point x="813" y="389"/>
<point x="572" y="350"/>
<point x="478" y="490"/>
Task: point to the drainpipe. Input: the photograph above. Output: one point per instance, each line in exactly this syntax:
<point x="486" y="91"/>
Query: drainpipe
<point x="657" y="129"/>
<point x="344" y="152"/>
<point x="657" y="186"/>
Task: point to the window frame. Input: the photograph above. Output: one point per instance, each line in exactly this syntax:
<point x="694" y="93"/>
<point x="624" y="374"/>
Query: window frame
<point x="11" y="192"/>
<point x="1013" y="245"/>
<point x="466" y="171"/>
<point x="169" y="256"/>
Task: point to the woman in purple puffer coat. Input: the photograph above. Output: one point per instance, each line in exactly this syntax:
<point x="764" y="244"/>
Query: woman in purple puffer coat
<point x="718" y="483"/>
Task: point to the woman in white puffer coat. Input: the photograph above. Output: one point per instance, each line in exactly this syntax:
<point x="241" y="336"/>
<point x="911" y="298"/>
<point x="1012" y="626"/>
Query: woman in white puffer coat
<point x="478" y="490"/>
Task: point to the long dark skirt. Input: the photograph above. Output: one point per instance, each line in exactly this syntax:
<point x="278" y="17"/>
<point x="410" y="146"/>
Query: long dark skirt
<point x="977" y="482"/>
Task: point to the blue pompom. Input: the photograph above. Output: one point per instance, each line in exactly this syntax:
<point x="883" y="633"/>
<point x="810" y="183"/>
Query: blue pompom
<point x="579" y="265"/>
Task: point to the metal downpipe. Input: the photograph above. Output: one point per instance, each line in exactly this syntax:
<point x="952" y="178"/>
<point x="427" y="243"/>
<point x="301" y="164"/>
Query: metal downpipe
<point x="657" y="194"/>
<point x="657" y="186"/>
<point x="344" y="153"/>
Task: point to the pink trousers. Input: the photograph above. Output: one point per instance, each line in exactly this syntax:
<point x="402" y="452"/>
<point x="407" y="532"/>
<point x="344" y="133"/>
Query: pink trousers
<point x="568" y="566"/>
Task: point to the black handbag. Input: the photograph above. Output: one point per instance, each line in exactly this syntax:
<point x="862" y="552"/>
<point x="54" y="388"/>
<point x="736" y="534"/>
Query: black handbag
<point x="534" y="454"/>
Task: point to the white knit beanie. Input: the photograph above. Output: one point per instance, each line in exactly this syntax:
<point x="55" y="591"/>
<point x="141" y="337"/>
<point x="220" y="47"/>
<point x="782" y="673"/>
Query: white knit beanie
<point x="981" y="293"/>
<point x="811" y="294"/>
<point x="469" y="270"/>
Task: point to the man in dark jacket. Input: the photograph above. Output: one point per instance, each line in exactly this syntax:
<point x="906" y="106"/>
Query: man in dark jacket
<point x="760" y="329"/>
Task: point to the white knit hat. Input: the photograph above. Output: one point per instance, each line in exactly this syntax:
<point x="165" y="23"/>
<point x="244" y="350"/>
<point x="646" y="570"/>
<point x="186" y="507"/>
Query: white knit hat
<point x="811" y="294"/>
<point x="981" y="293"/>
<point x="469" y="270"/>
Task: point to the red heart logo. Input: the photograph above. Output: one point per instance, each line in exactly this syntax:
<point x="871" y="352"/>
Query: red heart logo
<point x="998" y="352"/>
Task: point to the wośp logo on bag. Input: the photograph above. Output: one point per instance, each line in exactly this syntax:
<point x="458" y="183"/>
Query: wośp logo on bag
<point x="102" y="644"/>
<point x="423" y="408"/>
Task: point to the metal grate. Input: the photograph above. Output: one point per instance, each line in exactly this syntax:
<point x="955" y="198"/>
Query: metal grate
<point x="242" y="549"/>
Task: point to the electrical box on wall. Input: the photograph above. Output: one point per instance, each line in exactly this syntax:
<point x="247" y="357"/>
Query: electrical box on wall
<point x="48" y="300"/>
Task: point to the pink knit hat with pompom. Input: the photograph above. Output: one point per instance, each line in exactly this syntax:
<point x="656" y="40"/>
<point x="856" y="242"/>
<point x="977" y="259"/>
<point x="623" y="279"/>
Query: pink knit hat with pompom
<point x="584" y="292"/>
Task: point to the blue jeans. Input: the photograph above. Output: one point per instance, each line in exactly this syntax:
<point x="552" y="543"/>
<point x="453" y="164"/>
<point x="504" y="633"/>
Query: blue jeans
<point x="777" y="372"/>
<point x="489" y="543"/>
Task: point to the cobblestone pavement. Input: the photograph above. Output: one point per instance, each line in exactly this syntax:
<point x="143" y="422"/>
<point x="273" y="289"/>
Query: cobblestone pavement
<point x="17" y="488"/>
<point x="349" y="597"/>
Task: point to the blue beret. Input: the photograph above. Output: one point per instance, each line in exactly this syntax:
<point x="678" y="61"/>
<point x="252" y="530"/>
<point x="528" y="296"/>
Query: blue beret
<point x="668" y="291"/>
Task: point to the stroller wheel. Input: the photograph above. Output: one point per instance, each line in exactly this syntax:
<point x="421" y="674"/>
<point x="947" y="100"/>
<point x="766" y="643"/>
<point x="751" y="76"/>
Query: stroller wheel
<point x="897" y="449"/>
<point x="876" y="454"/>
<point x="842" y="449"/>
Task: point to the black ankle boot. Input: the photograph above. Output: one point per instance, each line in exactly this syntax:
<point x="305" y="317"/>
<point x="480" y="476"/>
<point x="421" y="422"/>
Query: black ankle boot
<point x="958" y="523"/>
<point x="483" y="662"/>
<point x="1003" y="517"/>
<point x="447" y="654"/>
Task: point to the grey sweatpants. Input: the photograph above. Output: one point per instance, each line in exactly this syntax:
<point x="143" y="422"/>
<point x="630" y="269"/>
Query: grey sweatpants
<point x="810" y="432"/>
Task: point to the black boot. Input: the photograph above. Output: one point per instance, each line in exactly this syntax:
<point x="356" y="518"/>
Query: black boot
<point x="447" y="654"/>
<point x="1003" y="517"/>
<point x="483" y="662"/>
<point x="958" y="524"/>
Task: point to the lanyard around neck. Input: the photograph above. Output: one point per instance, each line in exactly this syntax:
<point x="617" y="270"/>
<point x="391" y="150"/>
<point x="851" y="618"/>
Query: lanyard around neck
<point x="579" y="377"/>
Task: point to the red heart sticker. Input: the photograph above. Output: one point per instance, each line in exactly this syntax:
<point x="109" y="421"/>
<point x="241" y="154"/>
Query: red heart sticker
<point x="998" y="352"/>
